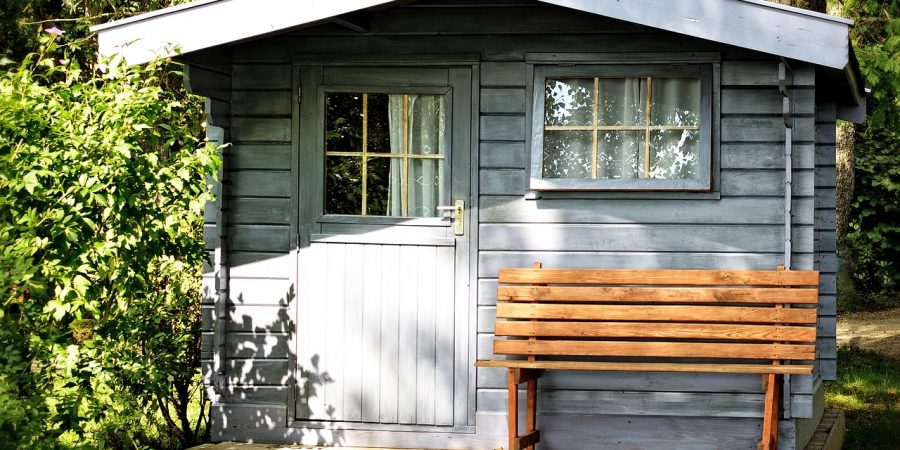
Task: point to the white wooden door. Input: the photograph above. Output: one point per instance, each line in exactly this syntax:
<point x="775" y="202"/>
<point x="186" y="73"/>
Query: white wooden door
<point x="383" y="298"/>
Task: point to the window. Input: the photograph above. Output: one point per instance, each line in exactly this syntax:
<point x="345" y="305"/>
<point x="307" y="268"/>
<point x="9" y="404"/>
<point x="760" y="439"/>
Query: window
<point x="621" y="128"/>
<point x="385" y="154"/>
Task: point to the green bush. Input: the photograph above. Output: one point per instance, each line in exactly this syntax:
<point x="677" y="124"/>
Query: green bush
<point x="102" y="189"/>
<point x="873" y="239"/>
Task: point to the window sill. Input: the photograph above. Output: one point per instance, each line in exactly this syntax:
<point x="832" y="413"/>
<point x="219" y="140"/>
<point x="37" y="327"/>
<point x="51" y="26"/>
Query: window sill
<point x="622" y="195"/>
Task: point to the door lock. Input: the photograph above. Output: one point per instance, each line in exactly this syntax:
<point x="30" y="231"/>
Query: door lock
<point x="457" y="214"/>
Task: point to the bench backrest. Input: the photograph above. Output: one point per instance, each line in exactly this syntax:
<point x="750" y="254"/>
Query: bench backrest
<point x="721" y="314"/>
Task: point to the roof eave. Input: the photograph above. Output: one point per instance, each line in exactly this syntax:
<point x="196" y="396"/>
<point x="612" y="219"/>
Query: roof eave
<point x="209" y="23"/>
<point x="789" y="32"/>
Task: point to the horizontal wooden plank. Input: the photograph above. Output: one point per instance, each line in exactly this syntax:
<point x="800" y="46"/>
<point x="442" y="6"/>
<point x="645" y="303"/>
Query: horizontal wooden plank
<point x="260" y="156"/>
<point x="661" y="277"/>
<point x="261" y="76"/>
<point x="648" y="367"/>
<point x="253" y="265"/>
<point x="261" y="183"/>
<point x="508" y="47"/>
<point x="646" y="238"/>
<point x="504" y="155"/>
<point x="516" y="209"/>
<point x="668" y="421"/>
<point x="765" y="183"/>
<point x="825" y="176"/>
<point x="261" y="129"/>
<point x="528" y="439"/>
<point x="662" y="313"/>
<point x="629" y="404"/>
<point x="261" y="291"/>
<point x="826" y="133"/>
<point x="765" y="156"/>
<point x="207" y="83"/>
<point x="503" y="73"/>
<point x="387" y="76"/>
<point x="825" y="241"/>
<point x="765" y="129"/>
<point x="503" y="100"/>
<point x="261" y="103"/>
<point x="656" y="294"/>
<point x="825" y="198"/>
<point x="495" y="378"/>
<point x="249" y="345"/>
<point x="502" y="182"/>
<point x="654" y="349"/>
<point x="244" y="210"/>
<point x="766" y="101"/>
<point x="253" y="372"/>
<point x="252" y="318"/>
<point x="825" y="154"/>
<point x="210" y="237"/>
<point x="655" y="330"/>
<point x="502" y="128"/>
<point x="764" y="73"/>
<point x="490" y="262"/>
<point x="260" y="238"/>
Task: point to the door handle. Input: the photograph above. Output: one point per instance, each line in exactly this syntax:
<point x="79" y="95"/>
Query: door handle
<point x="457" y="214"/>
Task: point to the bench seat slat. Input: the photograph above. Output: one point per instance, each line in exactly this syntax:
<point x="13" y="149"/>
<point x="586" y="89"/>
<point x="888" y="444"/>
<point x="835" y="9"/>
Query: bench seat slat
<point x="660" y="277"/>
<point x="650" y="367"/>
<point x="656" y="330"/>
<point x="655" y="349"/>
<point x="667" y="313"/>
<point x="807" y="296"/>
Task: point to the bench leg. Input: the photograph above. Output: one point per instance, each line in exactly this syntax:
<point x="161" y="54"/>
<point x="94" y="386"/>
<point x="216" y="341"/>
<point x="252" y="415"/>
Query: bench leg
<point x="513" y="405"/>
<point x="770" y="414"/>
<point x="530" y="408"/>
<point x="531" y="435"/>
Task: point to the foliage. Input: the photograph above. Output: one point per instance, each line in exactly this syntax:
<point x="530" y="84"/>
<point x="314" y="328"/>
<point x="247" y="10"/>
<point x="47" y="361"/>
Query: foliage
<point x="868" y="389"/>
<point x="874" y="235"/>
<point x="102" y="189"/>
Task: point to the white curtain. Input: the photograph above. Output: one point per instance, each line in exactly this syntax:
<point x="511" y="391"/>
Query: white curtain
<point x="621" y="154"/>
<point x="425" y="126"/>
<point x="622" y="102"/>
<point x="675" y="154"/>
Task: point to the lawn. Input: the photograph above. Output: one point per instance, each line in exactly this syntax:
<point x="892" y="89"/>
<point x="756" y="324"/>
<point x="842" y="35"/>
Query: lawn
<point x="868" y="389"/>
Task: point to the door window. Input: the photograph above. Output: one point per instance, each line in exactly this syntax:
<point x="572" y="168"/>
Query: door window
<point x="385" y="154"/>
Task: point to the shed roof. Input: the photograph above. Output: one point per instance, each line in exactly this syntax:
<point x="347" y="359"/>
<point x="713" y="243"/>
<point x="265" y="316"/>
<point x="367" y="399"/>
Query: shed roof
<point x="753" y="24"/>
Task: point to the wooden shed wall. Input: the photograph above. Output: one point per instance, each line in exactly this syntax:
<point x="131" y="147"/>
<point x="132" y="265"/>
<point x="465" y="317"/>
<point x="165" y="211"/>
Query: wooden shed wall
<point x="827" y="262"/>
<point x="740" y="227"/>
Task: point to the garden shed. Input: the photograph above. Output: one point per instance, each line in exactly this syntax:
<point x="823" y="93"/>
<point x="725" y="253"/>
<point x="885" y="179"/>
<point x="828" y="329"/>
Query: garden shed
<point x="387" y="158"/>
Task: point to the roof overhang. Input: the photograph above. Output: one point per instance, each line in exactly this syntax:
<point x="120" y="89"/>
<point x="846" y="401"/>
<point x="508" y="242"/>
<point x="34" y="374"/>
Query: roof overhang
<point x="207" y="23"/>
<point x="752" y="24"/>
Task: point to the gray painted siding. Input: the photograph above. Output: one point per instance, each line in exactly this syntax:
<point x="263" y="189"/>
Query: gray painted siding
<point x="259" y="311"/>
<point x="825" y="238"/>
<point x="743" y="229"/>
<point x="742" y="226"/>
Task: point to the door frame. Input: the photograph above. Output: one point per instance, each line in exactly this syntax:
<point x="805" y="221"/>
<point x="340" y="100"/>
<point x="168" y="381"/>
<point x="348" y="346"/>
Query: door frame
<point x="307" y="77"/>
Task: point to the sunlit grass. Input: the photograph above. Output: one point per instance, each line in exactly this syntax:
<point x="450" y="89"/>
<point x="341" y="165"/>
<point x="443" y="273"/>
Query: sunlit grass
<point x="868" y="389"/>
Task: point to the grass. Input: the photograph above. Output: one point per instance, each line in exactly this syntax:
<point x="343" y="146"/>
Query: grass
<point x="868" y="389"/>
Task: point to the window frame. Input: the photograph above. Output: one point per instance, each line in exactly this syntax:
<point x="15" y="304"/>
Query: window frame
<point x="704" y="71"/>
<point x="390" y="89"/>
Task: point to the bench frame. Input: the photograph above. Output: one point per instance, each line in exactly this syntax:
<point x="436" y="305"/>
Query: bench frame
<point x="703" y="287"/>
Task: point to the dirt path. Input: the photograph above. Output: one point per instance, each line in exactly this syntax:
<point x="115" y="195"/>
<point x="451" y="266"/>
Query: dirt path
<point x="878" y="331"/>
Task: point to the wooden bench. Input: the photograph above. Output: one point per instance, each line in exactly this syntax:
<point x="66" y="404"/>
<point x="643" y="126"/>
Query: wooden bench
<point x="732" y="321"/>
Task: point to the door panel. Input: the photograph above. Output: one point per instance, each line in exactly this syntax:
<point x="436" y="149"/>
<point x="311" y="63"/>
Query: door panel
<point x="387" y="319"/>
<point x="382" y="301"/>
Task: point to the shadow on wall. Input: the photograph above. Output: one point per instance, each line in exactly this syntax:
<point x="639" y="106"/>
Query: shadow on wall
<point x="251" y="402"/>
